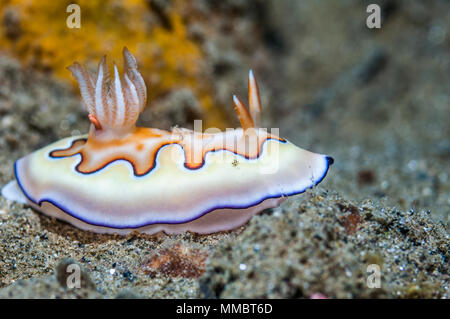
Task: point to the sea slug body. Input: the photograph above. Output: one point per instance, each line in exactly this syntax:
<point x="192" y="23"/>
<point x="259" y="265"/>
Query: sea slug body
<point x="121" y="178"/>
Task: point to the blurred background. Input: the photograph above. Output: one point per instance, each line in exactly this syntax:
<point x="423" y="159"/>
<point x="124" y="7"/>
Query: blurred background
<point x="377" y="100"/>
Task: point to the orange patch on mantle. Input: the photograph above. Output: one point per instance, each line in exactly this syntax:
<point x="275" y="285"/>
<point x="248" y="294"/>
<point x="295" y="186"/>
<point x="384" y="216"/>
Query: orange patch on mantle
<point x="134" y="149"/>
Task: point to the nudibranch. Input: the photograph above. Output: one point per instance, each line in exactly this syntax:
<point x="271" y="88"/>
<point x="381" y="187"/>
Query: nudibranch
<point x="120" y="178"/>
